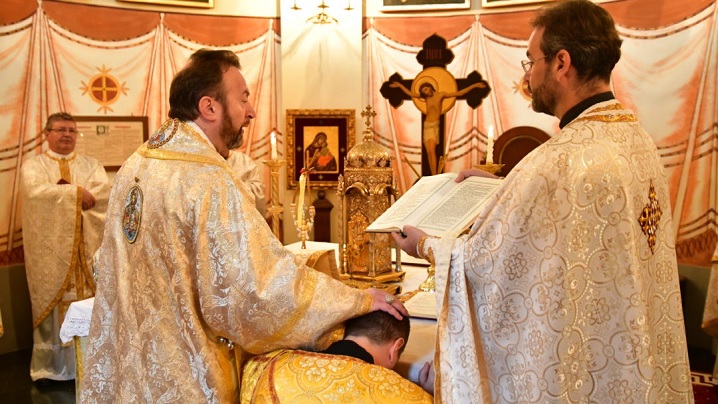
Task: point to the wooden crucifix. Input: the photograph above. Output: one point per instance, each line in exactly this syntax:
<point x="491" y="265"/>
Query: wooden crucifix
<point x="434" y="92"/>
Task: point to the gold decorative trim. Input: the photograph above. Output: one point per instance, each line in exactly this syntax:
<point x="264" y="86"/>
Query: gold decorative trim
<point x="650" y="218"/>
<point x="74" y="262"/>
<point x="609" y="118"/>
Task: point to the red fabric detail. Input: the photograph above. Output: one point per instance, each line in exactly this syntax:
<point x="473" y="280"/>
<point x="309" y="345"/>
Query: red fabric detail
<point x="217" y="31"/>
<point x="101" y="23"/>
<point x="16" y="10"/>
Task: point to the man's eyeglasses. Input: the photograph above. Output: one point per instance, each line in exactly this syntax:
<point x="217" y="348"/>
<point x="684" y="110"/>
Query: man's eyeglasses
<point x="528" y="64"/>
<point x="64" y="130"/>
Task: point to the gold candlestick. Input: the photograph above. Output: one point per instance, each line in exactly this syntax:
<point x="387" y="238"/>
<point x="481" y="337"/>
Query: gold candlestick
<point x="275" y="208"/>
<point x="306" y="224"/>
<point x="304" y="218"/>
<point x="429" y="284"/>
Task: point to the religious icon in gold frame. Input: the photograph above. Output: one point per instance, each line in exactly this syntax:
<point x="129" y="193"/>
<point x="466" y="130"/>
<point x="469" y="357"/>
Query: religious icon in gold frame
<point x="318" y="140"/>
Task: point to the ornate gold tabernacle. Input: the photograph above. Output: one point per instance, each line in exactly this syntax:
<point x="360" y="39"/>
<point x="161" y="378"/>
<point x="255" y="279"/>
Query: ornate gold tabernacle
<point x="365" y="191"/>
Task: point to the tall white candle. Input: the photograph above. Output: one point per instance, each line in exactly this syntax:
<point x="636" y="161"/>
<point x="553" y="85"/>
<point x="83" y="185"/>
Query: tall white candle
<point x="273" y="144"/>
<point x="300" y="203"/>
<point x="490" y="146"/>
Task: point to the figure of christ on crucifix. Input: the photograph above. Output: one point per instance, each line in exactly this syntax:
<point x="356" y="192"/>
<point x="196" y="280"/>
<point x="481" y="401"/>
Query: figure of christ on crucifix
<point x="434" y="92"/>
<point x="434" y="110"/>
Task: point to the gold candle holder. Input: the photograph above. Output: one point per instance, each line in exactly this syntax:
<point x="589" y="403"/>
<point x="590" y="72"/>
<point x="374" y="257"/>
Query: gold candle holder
<point x="306" y="224"/>
<point x="429" y="284"/>
<point x="303" y="219"/>
<point x="275" y="208"/>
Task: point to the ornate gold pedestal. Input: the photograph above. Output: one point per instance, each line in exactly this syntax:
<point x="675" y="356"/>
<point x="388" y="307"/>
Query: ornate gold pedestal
<point x="429" y="285"/>
<point x="365" y="190"/>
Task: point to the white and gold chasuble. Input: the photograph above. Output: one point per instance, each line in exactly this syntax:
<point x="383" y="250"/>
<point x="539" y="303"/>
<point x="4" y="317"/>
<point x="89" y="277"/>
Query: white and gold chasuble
<point x="204" y="281"/>
<point x="566" y="288"/>
<point x="59" y="238"/>
<point x="295" y="376"/>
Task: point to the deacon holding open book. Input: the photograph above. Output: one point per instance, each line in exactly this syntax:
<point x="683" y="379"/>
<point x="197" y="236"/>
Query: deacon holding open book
<point x="566" y="287"/>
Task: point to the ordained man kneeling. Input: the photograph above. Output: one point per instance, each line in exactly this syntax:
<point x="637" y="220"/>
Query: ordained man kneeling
<point x="355" y="369"/>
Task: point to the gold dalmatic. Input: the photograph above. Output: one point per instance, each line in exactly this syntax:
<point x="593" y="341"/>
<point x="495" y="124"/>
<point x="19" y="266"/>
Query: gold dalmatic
<point x="294" y="376"/>
<point x="554" y="296"/>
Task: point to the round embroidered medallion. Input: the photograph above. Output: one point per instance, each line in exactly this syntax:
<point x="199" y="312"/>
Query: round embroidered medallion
<point x="161" y="136"/>
<point x="132" y="217"/>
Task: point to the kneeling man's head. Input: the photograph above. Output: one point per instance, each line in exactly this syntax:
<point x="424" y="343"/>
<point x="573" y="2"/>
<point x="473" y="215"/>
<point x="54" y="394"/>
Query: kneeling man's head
<point x="382" y="335"/>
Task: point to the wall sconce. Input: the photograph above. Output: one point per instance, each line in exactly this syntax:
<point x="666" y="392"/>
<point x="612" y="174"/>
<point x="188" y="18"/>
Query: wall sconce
<point x="322" y="17"/>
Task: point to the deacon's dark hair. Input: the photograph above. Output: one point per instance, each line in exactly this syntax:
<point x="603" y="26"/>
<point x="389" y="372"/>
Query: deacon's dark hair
<point x="586" y="31"/>
<point x="202" y="76"/>
<point x="380" y="327"/>
<point x="57" y="116"/>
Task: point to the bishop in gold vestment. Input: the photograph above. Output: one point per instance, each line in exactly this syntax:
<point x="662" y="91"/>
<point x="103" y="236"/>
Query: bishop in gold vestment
<point x="192" y="278"/>
<point x="59" y="238"/>
<point x="566" y="288"/>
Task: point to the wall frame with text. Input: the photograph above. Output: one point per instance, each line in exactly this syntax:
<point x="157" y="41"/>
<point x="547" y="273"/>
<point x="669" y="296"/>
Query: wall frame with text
<point x="110" y="139"/>
<point x="181" y="3"/>
<point x="419" y="5"/>
<point x="318" y="139"/>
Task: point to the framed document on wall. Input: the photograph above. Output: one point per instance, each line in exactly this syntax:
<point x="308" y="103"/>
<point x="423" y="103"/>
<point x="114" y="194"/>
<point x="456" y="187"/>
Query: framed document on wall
<point x="110" y="139"/>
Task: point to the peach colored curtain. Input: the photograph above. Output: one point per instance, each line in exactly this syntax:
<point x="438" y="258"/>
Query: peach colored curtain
<point x="52" y="54"/>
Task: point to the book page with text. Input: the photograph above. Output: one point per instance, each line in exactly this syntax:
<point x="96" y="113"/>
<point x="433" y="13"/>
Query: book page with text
<point x="458" y="208"/>
<point x="408" y="206"/>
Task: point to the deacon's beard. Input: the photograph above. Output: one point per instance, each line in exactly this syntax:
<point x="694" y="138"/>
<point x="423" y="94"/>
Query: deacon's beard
<point x="543" y="97"/>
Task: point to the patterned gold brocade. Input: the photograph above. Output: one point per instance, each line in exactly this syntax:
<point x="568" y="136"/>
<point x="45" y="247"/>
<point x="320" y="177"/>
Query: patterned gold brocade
<point x="287" y="376"/>
<point x="555" y="296"/>
<point x="204" y="266"/>
<point x="59" y="238"/>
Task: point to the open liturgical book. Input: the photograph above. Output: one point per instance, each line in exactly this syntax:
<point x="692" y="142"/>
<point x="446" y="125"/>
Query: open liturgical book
<point x="422" y="305"/>
<point x="438" y="205"/>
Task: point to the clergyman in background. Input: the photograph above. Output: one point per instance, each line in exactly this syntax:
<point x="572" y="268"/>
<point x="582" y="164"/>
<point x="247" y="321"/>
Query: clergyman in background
<point x="63" y="215"/>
